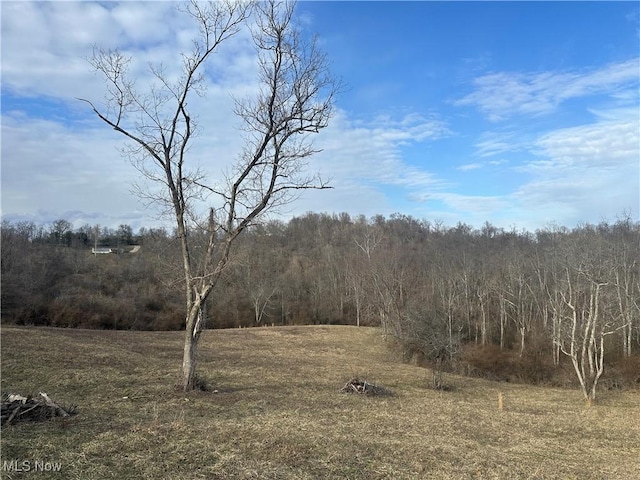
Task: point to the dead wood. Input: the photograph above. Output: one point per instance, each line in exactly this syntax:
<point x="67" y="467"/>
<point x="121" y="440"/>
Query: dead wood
<point x="362" y="387"/>
<point x="17" y="408"/>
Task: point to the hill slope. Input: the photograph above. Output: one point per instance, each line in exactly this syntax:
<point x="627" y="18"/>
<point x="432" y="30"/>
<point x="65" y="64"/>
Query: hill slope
<point x="278" y="412"/>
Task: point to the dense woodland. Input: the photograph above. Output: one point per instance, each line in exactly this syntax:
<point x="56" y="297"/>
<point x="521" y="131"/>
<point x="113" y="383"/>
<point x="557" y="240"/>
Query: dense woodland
<point x="552" y="296"/>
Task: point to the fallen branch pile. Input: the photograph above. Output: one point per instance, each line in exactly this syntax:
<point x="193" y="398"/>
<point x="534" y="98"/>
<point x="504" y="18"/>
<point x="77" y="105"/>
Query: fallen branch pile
<point x="362" y="387"/>
<point x="16" y="408"/>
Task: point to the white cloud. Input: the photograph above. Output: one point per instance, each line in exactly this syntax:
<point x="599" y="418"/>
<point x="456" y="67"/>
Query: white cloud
<point x="493" y="143"/>
<point x="504" y="94"/>
<point x="602" y="145"/>
<point x="80" y="170"/>
<point x="76" y="167"/>
<point x="142" y="25"/>
<point x="481" y="206"/>
<point x="47" y="166"/>
<point x="570" y="173"/>
<point x="584" y="173"/>
<point x="45" y="45"/>
<point x="372" y="151"/>
<point x="364" y="161"/>
<point x="587" y="171"/>
<point x="590" y="171"/>
<point x="470" y="166"/>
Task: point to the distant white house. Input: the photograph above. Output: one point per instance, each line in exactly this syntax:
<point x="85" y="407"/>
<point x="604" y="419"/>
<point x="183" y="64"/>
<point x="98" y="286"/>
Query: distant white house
<point x="101" y="250"/>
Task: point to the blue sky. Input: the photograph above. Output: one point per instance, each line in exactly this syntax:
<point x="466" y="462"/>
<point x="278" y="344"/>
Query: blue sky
<point x="517" y="113"/>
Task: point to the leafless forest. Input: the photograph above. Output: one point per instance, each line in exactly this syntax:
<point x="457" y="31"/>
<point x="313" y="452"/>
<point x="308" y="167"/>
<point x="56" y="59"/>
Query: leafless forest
<point x="509" y="302"/>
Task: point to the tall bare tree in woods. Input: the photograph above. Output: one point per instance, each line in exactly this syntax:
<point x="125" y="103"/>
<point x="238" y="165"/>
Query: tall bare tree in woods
<point x="260" y="265"/>
<point x="627" y="274"/>
<point x="294" y="100"/>
<point x="584" y="312"/>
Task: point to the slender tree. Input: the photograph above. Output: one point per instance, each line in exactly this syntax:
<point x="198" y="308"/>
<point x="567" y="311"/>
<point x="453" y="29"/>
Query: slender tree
<point x="584" y="310"/>
<point x="294" y="100"/>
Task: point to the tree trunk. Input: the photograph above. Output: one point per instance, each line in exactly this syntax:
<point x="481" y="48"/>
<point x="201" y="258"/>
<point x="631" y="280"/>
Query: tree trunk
<point x="503" y="321"/>
<point x="195" y="324"/>
<point x="557" y="340"/>
<point x="483" y="316"/>
<point x="189" y="361"/>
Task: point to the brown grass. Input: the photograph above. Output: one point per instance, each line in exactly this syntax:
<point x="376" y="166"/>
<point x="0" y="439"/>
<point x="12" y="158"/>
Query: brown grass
<point x="278" y="412"/>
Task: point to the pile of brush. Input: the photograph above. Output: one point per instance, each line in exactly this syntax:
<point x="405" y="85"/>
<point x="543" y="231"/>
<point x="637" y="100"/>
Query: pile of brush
<point x="17" y="408"/>
<point x="362" y="387"/>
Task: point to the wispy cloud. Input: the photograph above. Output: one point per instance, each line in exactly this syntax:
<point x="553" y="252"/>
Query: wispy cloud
<point x="493" y="143"/>
<point x="412" y="127"/>
<point x="634" y="17"/>
<point x="470" y="166"/>
<point x="504" y="94"/>
<point x="601" y="145"/>
<point x="364" y="160"/>
<point x="69" y="169"/>
<point x="44" y="57"/>
<point x="585" y="172"/>
<point x="46" y="51"/>
<point x="485" y="205"/>
<point x="453" y="207"/>
<point x="560" y="170"/>
<point x="372" y="151"/>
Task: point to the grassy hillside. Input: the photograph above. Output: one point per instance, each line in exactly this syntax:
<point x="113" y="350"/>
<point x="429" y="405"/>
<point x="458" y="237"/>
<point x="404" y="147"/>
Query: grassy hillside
<point x="278" y="413"/>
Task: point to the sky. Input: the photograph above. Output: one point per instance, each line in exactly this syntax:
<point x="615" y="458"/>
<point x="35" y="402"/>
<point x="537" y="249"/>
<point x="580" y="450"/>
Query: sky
<point x="521" y="114"/>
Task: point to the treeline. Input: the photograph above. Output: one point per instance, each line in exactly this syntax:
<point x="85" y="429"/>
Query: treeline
<point x="62" y="233"/>
<point x="552" y="293"/>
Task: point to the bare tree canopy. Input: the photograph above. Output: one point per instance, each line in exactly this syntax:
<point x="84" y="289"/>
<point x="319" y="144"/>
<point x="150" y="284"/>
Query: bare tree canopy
<point x="294" y="100"/>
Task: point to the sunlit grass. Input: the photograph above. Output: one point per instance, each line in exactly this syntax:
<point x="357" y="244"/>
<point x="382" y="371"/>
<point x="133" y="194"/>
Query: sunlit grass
<point x="275" y="411"/>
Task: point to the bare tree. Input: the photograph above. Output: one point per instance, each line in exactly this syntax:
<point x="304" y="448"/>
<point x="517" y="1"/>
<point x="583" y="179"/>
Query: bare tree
<point x="294" y="100"/>
<point x="259" y="266"/>
<point x="356" y="278"/>
<point x="584" y="317"/>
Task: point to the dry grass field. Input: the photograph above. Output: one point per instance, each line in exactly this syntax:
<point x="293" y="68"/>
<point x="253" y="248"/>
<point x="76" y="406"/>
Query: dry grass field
<point x="278" y="412"/>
